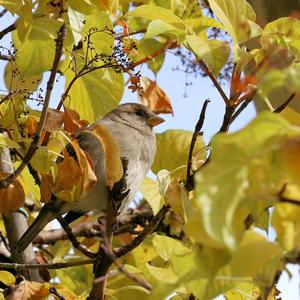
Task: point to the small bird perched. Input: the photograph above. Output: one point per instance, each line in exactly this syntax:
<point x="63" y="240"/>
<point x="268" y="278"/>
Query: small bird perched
<point x="131" y="126"/>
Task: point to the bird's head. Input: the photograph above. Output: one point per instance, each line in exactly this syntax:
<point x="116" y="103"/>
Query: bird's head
<point x="137" y="115"/>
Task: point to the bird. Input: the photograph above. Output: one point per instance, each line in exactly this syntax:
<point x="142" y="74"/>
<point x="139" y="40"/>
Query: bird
<point x="131" y="125"/>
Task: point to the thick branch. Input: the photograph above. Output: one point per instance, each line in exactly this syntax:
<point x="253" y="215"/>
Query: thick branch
<point x="34" y="144"/>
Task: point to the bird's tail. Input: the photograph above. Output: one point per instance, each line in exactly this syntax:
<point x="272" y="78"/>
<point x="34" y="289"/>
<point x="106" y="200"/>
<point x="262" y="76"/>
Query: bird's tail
<point x="44" y="217"/>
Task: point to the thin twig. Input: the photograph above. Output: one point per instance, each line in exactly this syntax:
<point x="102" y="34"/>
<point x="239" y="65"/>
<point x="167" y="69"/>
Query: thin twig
<point x="214" y="80"/>
<point x="106" y="247"/>
<point x="147" y="230"/>
<point x="285" y="104"/>
<point x="6" y="57"/>
<point x="7" y="30"/>
<point x="240" y="109"/>
<point x="54" y="292"/>
<point x="76" y="244"/>
<point x="34" y="144"/>
<point x="3" y="12"/>
<point x="198" y="127"/>
<point x="61" y="265"/>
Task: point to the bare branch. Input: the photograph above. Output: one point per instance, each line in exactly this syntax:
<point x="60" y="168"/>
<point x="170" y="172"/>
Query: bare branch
<point x="148" y="230"/>
<point x="197" y="130"/>
<point x="214" y="81"/>
<point x="7" y="30"/>
<point x="76" y="244"/>
<point x="61" y="265"/>
<point x="285" y="104"/>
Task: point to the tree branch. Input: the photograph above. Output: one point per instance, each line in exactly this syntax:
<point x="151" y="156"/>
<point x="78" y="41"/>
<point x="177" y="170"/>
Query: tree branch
<point x="285" y="104"/>
<point x="76" y="244"/>
<point x="147" y="230"/>
<point x="229" y="111"/>
<point x="62" y="265"/>
<point x="214" y="81"/>
<point x="7" y="30"/>
<point x="189" y="184"/>
<point x="34" y="144"/>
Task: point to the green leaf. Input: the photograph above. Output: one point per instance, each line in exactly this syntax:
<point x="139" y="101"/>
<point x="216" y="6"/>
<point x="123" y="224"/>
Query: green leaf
<point x="159" y="27"/>
<point x="244" y="174"/>
<point x="148" y="47"/>
<point x="234" y="15"/>
<point x="166" y="247"/>
<point x="173" y="148"/>
<point x="214" y="53"/>
<point x="151" y="193"/>
<point x="77" y="21"/>
<point x="153" y="12"/>
<point x="101" y="38"/>
<point x="41" y="160"/>
<point x="202" y="23"/>
<point x="12" y="5"/>
<point x="36" y="54"/>
<point x="24" y="22"/>
<point x="165" y="275"/>
<point x="96" y="93"/>
<point x="263" y="267"/>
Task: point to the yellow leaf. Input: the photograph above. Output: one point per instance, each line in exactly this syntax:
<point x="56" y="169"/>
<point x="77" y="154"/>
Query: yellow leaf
<point x="174" y="197"/>
<point x="151" y="193"/>
<point x="7" y="278"/>
<point x="12" y="197"/>
<point x="114" y="167"/>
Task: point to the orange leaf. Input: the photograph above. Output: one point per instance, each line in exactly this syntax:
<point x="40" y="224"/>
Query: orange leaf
<point x="72" y="122"/>
<point x="124" y="26"/>
<point x="31" y="125"/>
<point x="154" y="97"/>
<point x="68" y="182"/>
<point x="54" y="120"/>
<point x="75" y="177"/>
<point x="12" y="197"/>
<point x="28" y="290"/>
<point x="46" y="187"/>
<point x="114" y="167"/>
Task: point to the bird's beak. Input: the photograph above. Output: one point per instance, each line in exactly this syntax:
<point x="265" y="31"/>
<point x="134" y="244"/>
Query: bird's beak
<point x="154" y="120"/>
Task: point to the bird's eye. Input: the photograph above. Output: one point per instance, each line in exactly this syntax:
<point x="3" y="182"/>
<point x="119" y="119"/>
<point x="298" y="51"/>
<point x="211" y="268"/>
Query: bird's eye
<point x="141" y="113"/>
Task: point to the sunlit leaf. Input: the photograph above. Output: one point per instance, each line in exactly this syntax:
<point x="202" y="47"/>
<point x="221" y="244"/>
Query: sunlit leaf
<point x="173" y="148"/>
<point x="214" y="53"/>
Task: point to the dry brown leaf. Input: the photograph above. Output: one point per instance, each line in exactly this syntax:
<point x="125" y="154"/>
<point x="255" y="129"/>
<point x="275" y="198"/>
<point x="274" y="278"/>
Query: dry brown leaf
<point x="46" y="187"/>
<point x="28" y="290"/>
<point x="72" y="122"/>
<point x="12" y="197"/>
<point x="68" y="182"/>
<point x="54" y="120"/>
<point x="87" y="168"/>
<point x="75" y="177"/>
<point x="154" y="97"/>
<point x="114" y="167"/>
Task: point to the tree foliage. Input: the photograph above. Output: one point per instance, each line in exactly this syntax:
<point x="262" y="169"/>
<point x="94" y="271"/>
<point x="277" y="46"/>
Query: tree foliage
<point x="211" y="205"/>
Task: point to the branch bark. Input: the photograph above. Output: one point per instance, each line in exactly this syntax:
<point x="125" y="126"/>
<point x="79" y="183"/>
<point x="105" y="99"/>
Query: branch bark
<point x="15" y="225"/>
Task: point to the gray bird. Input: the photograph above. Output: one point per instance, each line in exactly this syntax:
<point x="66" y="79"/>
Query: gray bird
<point x="131" y="126"/>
